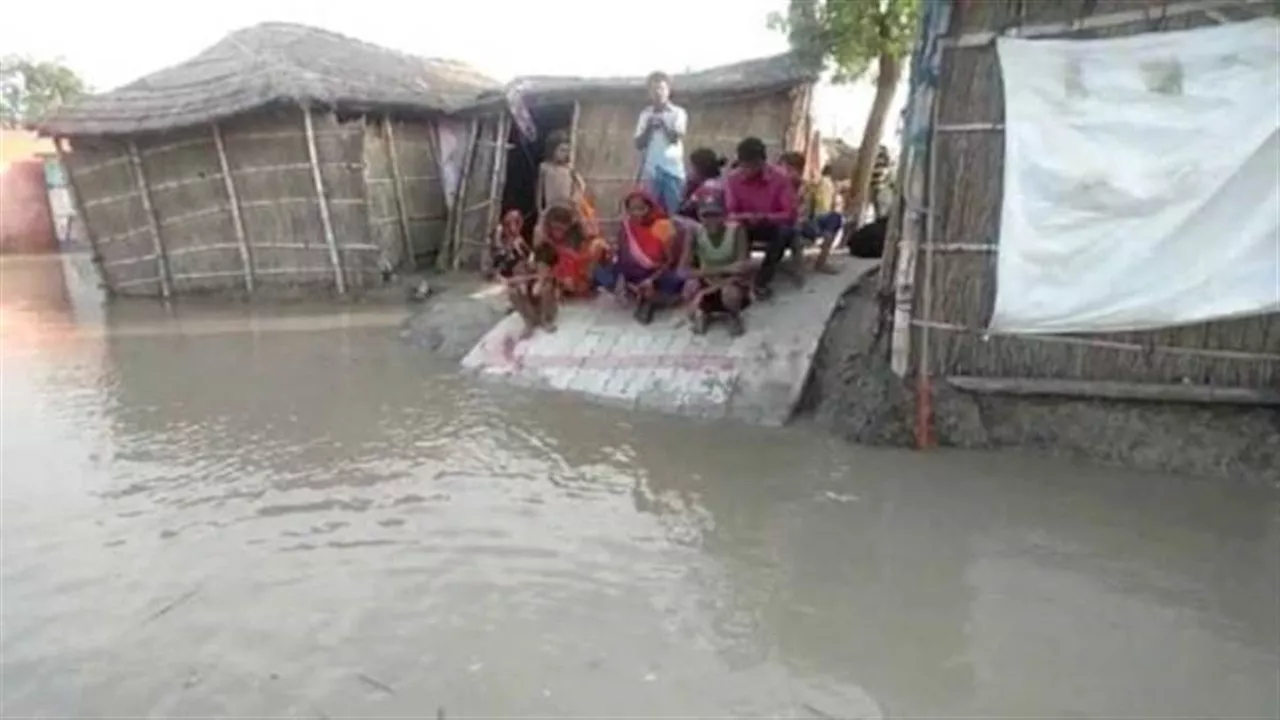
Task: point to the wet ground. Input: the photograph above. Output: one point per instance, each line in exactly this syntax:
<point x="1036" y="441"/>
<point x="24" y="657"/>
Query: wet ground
<point x="268" y="513"/>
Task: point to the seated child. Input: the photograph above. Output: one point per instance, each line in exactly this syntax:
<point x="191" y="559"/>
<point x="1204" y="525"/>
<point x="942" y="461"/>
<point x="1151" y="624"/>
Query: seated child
<point x="508" y="249"/>
<point x="819" y="218"/>
<point x="707" y="168"/>
<point x="794" y="163"/>
<point x="716" y="262"/>
<point x="532" y="291"/>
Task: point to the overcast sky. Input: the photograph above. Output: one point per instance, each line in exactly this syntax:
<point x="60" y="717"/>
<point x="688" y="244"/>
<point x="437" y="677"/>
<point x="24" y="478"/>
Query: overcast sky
<point x="110" y="42"/>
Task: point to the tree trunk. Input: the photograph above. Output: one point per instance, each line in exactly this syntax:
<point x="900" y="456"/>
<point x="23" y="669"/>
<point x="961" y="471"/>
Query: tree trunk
<point x="889" y="71"/>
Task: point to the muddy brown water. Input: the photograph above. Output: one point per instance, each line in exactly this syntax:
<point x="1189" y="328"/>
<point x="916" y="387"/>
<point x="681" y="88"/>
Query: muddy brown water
<point x="225" y="512"/>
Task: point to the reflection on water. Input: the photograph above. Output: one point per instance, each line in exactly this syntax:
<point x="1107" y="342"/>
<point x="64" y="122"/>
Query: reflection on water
<point x="226" y="512"/>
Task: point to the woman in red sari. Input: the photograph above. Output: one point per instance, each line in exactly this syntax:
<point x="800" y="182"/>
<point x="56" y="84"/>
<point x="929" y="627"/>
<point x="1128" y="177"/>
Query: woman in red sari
<point x="578" y="251"/>
<point x="647" y="256"/>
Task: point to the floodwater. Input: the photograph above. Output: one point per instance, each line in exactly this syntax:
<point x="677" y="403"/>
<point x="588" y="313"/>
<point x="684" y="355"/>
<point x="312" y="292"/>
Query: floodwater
<point x="221" y="513"/>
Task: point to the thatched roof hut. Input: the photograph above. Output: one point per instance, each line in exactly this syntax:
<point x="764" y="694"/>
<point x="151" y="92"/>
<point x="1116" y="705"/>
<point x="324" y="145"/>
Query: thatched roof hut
<point x="288" y="155"/>
<point x="946" y="260"/>
<point x="242" y="165"/>
<point x="767" y="97"/>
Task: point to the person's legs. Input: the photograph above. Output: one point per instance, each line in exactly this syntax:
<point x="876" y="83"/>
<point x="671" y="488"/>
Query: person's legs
<point x="733" y="298"/>
<point x="669" y="287"/>
<point x="668" y="189"/>
<point x="525" y="308"/>
<point x="796" y="242"/>
<point x="548" y="304"/>
<point x="829" y="225"/>
<point x="689" y="293"/>
<point x="605" y="276"/>
<point x="775" y="243"/>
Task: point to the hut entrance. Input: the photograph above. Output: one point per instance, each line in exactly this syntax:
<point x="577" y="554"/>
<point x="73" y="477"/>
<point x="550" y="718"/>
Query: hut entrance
<point x="520" y="190"/>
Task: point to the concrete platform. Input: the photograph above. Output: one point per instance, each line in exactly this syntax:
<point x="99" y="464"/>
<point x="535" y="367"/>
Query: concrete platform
<point x="602" y="353"/>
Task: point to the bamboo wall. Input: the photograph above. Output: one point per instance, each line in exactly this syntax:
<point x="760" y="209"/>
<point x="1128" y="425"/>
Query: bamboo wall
<point x="481" y="193"/>
<point x="606" y="156"/>
<point x="966" y="194"/>
<point x="194" y="246"/>
<point x="401" y="166"/>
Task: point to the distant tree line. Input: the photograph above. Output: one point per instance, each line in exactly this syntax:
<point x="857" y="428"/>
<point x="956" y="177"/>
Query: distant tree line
<point x="30" y="88"/>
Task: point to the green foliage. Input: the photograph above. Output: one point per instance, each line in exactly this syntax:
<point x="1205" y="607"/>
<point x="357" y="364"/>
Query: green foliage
<point x="31" y="88"/>
<point x="849" y="36"/>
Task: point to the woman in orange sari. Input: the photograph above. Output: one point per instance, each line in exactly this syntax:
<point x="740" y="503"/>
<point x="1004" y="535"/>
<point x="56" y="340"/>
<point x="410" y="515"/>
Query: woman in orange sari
<point x="647" y="257"/>
<point x="578" y="251"/>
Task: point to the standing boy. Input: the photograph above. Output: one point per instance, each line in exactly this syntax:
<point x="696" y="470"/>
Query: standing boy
<point x="659" y="137"/>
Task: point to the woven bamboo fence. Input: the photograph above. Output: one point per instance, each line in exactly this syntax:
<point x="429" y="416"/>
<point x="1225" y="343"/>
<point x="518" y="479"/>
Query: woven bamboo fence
<point x="607" y="159"/>
<point x="965" y="193"/>
<point x="477" y="207"/>
<point x="257" y="201"/>
<point x="407" y="211"/>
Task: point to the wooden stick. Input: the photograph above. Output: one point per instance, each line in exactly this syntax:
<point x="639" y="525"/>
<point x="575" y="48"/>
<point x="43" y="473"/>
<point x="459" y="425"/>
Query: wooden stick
<point x="140" y="177"/>
<point x="1110" y="344"/>
<point x="473" y="137"/>
<point x="573" y="133"/>
<point x="924" y="389"/>
<point x="1110" y="390"/>
<point x="112" y="199"/>
<point x="77" y="201"/>
<point x="267" y="246"/>
<point x="398" y="182"/>
<point x="1095" y="22"/>
<point x="497" y="174"/>
<point x="233" y="198"/>
<point x="963" y="247"/>
<point x="971" y="127"/>
<point x="325" y="220"/>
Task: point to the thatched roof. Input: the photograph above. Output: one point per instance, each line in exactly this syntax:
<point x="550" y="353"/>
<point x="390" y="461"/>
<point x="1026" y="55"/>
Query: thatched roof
<point x="778" y="71"/>
<point x="270" y="63"/>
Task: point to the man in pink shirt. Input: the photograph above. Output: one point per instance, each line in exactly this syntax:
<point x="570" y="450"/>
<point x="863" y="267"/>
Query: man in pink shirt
<point x="761" y="198"/>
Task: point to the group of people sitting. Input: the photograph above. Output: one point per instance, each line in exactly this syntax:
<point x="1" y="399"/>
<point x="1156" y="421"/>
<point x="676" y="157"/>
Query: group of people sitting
<point x="686" y="238"/>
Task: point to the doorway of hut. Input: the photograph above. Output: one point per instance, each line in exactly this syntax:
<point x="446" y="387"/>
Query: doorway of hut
<point x="523" y="157"/>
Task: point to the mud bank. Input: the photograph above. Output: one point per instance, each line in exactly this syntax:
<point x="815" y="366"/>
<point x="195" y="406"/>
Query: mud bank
<point x="455" y="318"/>
<point x="854" y="395"/>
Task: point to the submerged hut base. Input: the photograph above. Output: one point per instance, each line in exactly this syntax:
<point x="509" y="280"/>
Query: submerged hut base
<point x="856" y="396"/>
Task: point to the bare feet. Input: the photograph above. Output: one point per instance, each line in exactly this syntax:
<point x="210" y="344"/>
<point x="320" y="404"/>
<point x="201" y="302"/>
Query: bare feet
<point x="644" y="312"/>
<point x="736" y="326"/>
<point x="699" y="323"/>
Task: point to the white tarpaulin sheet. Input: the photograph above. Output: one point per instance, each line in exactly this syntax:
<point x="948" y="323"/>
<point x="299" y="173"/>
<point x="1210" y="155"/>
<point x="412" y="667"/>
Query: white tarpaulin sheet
<point x="1141" y="181"/>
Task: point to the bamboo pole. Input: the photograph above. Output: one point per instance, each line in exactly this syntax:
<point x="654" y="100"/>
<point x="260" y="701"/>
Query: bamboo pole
<point x="402" y="209"/>
<point x="924" y="387"/>
<point x="233" y="200"/>
<point x="920" y="121"/>
<point x="1101" y="21"/>
<point x="1112" y="390"/>
<point x="573" y="132"/>
<point x="325" y="220"/>
<point x="473" y="140"/>
<point x="1095" y="342"/>
<point x="77" y="201"/>
<point x="499" y="172"/>
<point x="140" y="177"/>
<point x="499" y="154"/>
